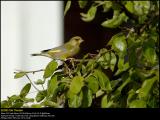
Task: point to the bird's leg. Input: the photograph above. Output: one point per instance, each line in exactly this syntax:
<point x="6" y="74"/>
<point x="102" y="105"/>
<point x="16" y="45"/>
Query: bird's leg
<point x="68" y="70"/>
<point x="72" y="62"/>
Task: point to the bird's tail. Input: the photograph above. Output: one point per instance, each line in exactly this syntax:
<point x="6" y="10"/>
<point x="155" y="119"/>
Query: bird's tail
<point x="36" y="54"/>
<point x="41" y="54"/>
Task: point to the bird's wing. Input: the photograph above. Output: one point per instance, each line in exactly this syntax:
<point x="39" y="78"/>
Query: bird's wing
<point x="43" y="51"/>
<point x="54" y="50"/>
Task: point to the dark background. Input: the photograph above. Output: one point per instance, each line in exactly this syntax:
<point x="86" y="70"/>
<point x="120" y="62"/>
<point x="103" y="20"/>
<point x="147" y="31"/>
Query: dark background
<point x="95" y="36"/>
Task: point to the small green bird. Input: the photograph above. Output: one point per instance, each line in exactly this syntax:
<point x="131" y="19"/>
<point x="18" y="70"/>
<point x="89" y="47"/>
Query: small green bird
<point x="69" y="49"/>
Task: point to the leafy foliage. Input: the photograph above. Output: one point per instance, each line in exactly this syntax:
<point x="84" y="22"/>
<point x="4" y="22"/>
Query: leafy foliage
<point x="133" y="58"/>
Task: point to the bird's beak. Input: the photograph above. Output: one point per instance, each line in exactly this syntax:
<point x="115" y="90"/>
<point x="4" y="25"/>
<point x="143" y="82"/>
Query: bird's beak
<point x="81" y="40"/>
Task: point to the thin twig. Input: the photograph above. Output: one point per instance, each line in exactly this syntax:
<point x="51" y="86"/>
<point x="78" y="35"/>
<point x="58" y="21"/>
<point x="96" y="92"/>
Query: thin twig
<point x="68" y="70"/>
<point x="42" y="86"/>
<point x="34" y="71"/>
<point x="32" y="83"/>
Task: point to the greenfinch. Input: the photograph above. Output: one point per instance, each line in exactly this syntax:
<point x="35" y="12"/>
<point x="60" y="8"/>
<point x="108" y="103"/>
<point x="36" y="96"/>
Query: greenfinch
<point x="69" y="49"/>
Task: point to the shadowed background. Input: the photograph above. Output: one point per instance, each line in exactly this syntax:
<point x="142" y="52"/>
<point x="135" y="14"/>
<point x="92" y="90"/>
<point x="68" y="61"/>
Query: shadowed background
<point x="93" y="33"/>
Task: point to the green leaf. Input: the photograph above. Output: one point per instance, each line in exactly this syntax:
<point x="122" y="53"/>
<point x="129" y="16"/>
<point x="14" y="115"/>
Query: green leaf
<point x="18" y="104"/>
<point x="141" y="7"/>
<point x="53" y="84"/>
<point x="125" y="82"/>
<point x="107" y="6"/>
<point x="91" y="64"/>
<point x="90" y="14"/>
<point x="92" y="83"/>
<point x="132" y="54"/>
<point x="14" y="97"/>
<point x="27" y="100"/>
<point x="107" y="60"/>
<point x="116" y="6"/>
<point x="82" y="4"/>
<point x="75" y="101"/>
<point x="122" y="66"/>
<point x="113" y="61"/>
<point x="39" y="82"/>
<point x="19" y="75"/>
<point x="137" y="104"/>
<point x="143" y="74"/>
<point x="105" y="103"/>
<point x="76" y="84"/>
<point x="149" y="52"/>
<point x="150" y="55"/>
<point x="131" y="95"/>
<point x="68" y="5"/>
<point x="83" y="69"/>
<point x="50" y="104"/>
<point x="117" y="92"/>
<point x="116" y="21"/>
<point x="51" y="67"/>
<point x="130" y="6"/>
<point x="119" y="43"/>
<point x="103" y="80"/>
<point x="138" y="8"/>
<point x="147" y="85"/>
<point x="25" y="90"/>
<point x="36" y="106"/>
<point x="99" y="93"/>
<point x="41" y="95"/>
<point x="114" y="83"/>
<point x="5" y="104"/>
<point x="104" y="59"/>
<point x="87" y="97"/>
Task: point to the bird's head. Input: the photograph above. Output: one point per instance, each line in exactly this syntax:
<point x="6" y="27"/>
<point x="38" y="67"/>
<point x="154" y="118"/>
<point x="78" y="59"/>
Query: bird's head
<point x="77" y="40"/>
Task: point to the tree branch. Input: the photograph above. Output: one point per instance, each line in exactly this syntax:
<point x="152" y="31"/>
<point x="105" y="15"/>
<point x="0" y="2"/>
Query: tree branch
<point x="32" y="83"/>
<point x="34" y="71"/>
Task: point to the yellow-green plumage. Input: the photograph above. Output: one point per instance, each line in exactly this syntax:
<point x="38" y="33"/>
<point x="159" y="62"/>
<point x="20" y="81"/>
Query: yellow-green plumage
<point x="69" y="49"/>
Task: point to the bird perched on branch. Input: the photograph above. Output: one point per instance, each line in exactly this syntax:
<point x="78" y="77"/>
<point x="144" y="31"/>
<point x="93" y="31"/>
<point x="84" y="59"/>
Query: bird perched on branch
<point x="69" y="49"/>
